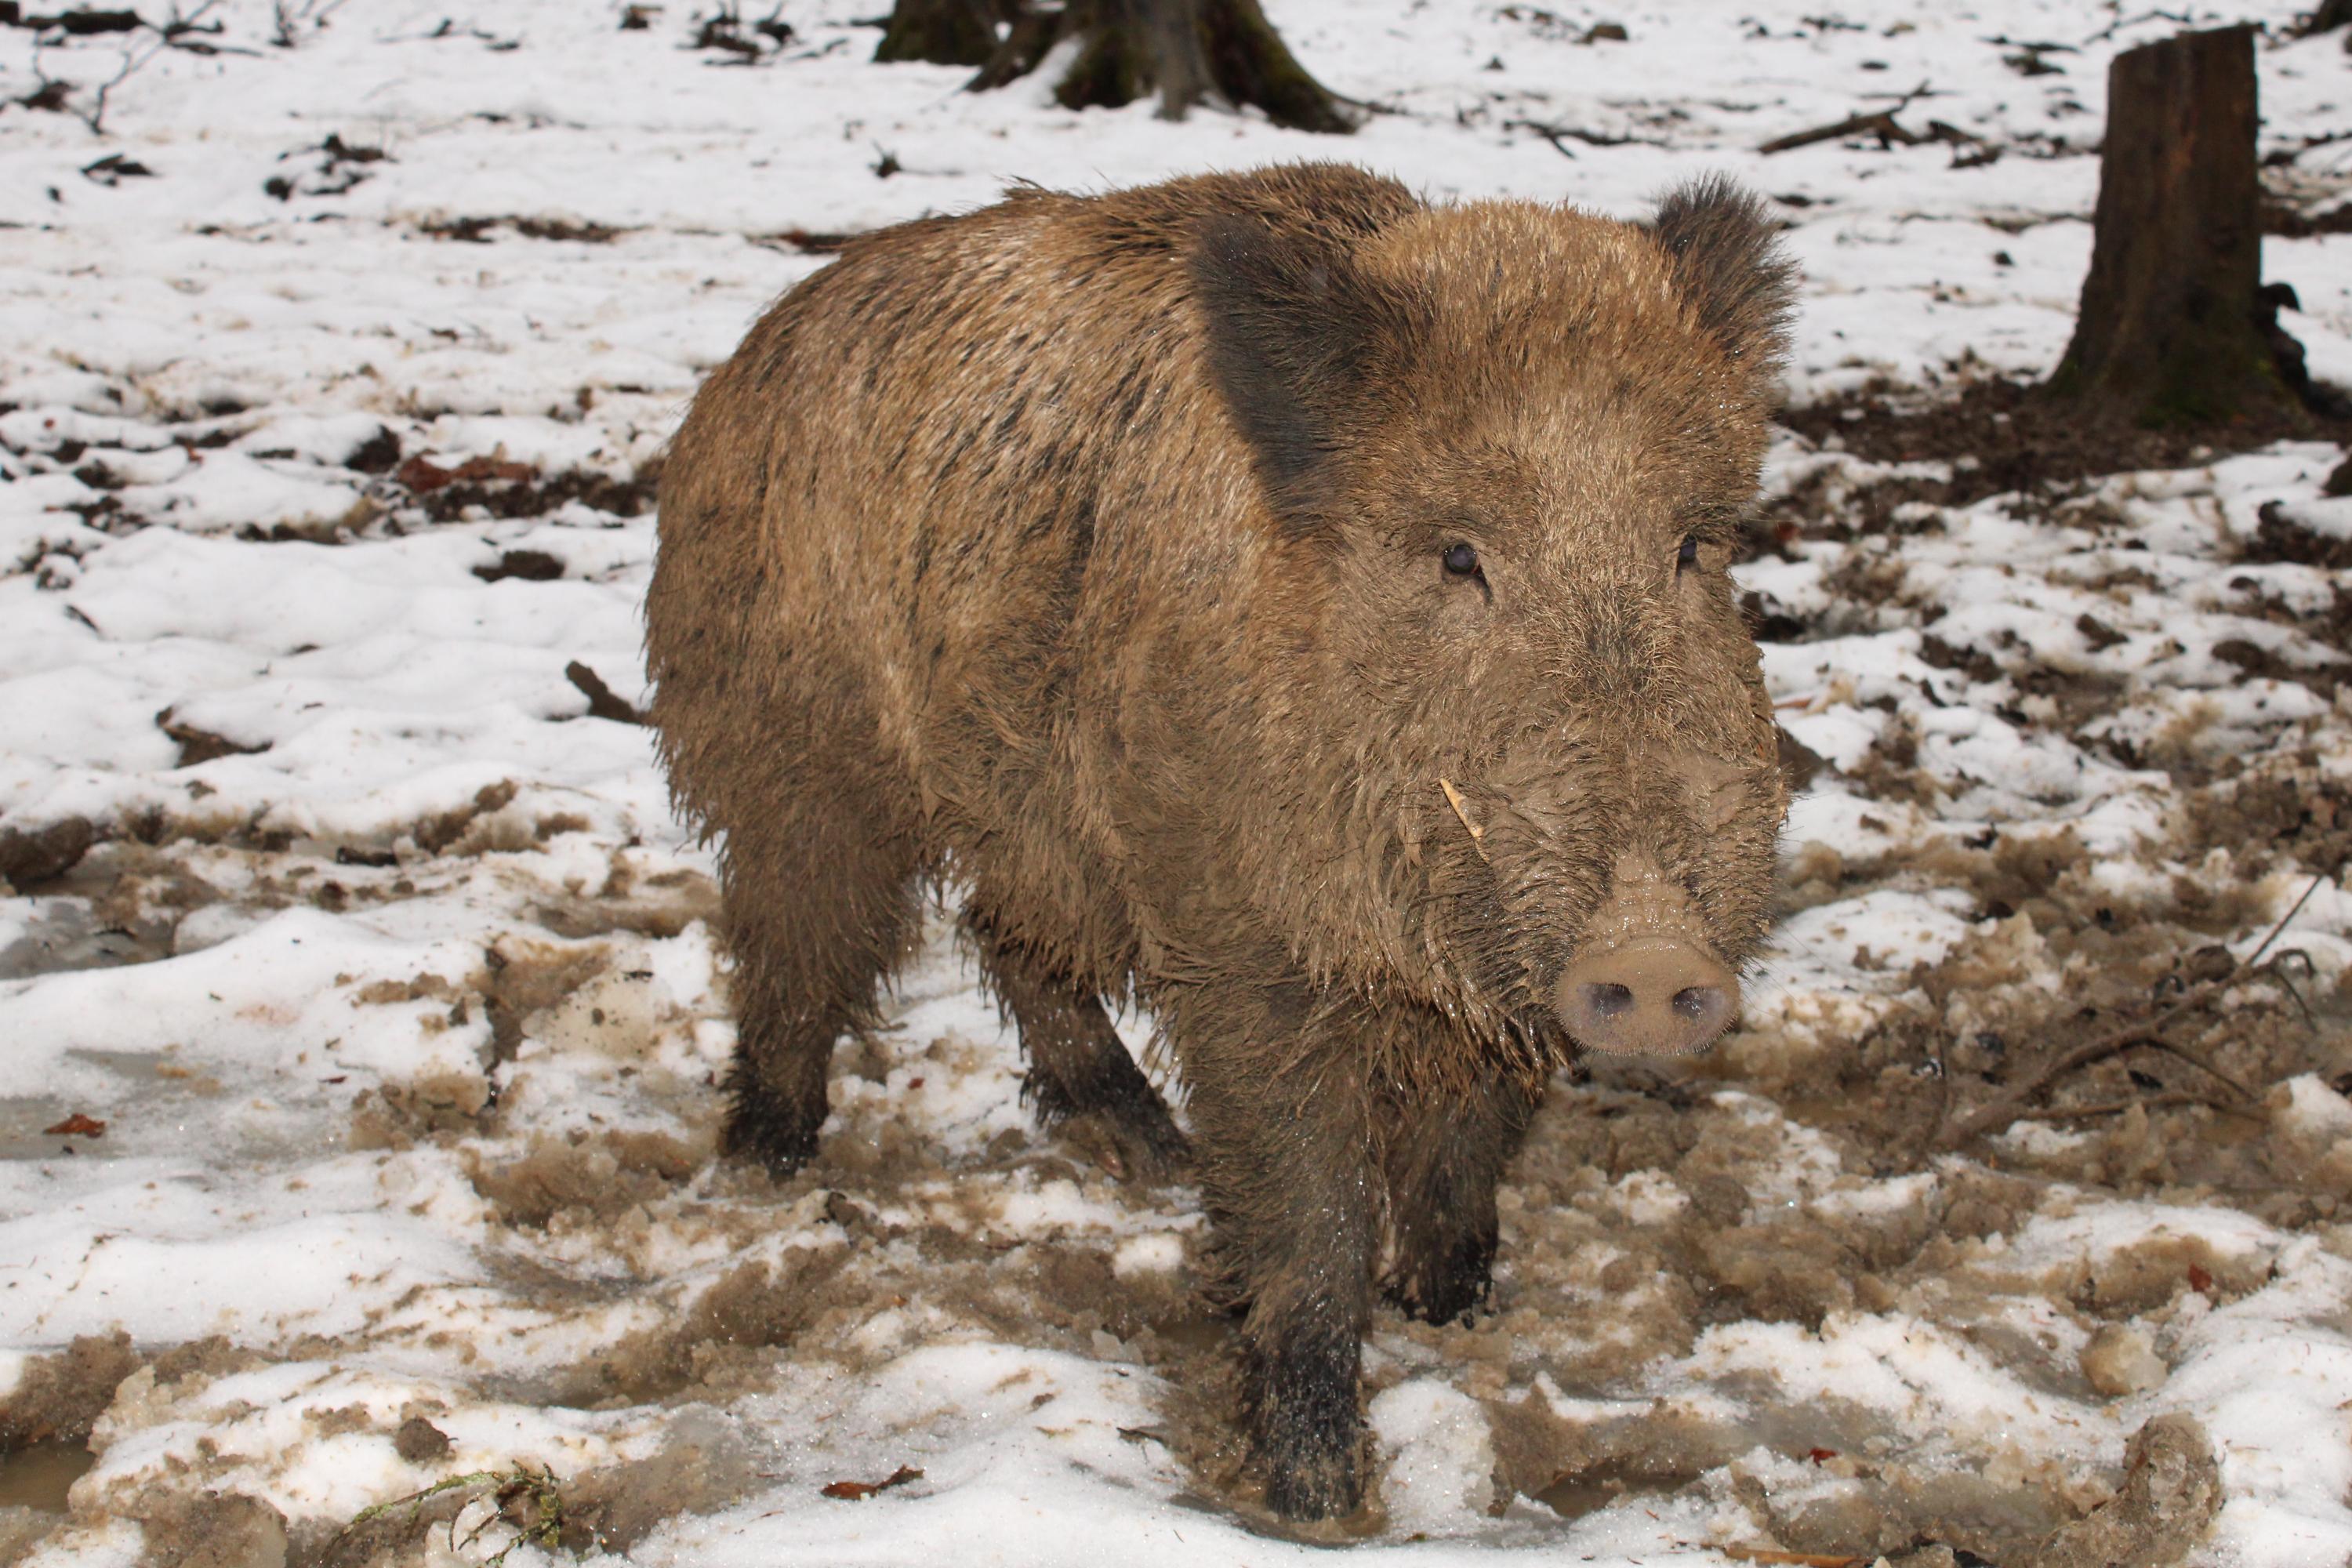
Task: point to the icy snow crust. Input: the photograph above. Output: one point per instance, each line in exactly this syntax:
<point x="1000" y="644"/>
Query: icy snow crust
<point x="394" y="983"/>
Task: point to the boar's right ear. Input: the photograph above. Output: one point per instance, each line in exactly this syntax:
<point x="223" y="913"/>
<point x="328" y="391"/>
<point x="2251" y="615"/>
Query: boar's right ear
<point x="1293" y="331"/>
<point x="1727" y="263"/>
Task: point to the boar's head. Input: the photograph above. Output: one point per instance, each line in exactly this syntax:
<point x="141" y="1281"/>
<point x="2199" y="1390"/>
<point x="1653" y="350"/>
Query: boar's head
<point x="1507" y="448"/>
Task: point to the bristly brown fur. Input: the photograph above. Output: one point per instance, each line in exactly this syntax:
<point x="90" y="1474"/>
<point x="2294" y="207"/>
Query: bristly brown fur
<point x="1084" y="553"/>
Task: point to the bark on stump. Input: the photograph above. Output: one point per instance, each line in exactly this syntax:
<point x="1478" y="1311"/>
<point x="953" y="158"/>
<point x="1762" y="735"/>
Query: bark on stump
<point x="943" y="31"/>
<point x="2330" y="16"/>
<point x="2173" y="329"/>
<point x="1185" y="50"/>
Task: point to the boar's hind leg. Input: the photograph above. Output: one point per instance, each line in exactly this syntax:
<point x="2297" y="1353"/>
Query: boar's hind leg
<point x="819" y="906"/>
<point x="1285" y="1148"/>
<point x="1080" y="1076"/>
<point x="1444" y="1159"/>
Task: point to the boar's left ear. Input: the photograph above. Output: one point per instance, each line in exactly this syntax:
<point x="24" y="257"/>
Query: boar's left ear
<point x="1728" y="265"/>
<point x="1294" y="334"/>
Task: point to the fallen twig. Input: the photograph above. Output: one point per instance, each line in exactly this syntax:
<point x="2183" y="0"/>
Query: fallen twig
<point x="2010" y="1105"/>
<point x="2120" y="1106"/>
<point x="1800" y="1559"/>
<point x="1560" y="135"/>
<point x="2182" y="1053"/>
<point x="1881" y="124"/>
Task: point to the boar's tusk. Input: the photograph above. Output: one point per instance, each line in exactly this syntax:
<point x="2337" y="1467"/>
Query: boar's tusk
<point x="1477" y="834"/>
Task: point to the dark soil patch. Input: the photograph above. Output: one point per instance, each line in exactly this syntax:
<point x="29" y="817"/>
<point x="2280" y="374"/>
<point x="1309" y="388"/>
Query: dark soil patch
<point x="1999" y="436"/>
<point x="530" y="565"/>
<point x="478" y="230"/>
<point x="379" y="453"/>
<point x="60" y="1396"/>
<point x="511" y="490"/>
<point x="29" y="857"/>
<point x="2280" y="537"/>
<point x="341" y="167"/>
<point x="198" y="745"/>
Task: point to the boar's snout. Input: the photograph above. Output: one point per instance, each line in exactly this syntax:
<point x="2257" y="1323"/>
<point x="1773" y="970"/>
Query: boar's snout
<point x="1643" y="981"/>
<point x="1655" y="998"/>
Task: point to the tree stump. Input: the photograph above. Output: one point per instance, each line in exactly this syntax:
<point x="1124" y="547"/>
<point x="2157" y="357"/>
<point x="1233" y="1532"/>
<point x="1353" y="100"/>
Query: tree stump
<point x="2173" y="329"/>
<point x="943" y="31"/>
<point x="2326" y="17"/>
<point x="1185" y="50"/>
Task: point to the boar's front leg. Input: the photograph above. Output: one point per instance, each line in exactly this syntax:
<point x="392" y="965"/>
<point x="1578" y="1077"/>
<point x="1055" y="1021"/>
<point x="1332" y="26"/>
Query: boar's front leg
<point x="1445" y="1156"/>
<point x="1282" y="1133"/>
<point x="1079" y="1069"/>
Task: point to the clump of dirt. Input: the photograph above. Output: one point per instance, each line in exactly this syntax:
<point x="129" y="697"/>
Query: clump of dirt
<point x="703" y="1464"/>
<point x="530" y="566"/>
<point x="60" y="1397"/>
<point x="2288" y="809"/>
<point x="32" y="857"/>
<point x="582" y="1179"/>
<point x="522" y="976"/>
<point x="443" y="832"/>
<point x="211" y="1530"/>
<point x="2172" y="1489"/>
<point x="438" y="1108"/>
<point x="200" y="745"/>
<point x="726" y="1341"/>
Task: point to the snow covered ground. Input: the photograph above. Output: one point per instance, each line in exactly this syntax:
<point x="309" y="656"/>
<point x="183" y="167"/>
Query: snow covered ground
<point x="328" y="408"/>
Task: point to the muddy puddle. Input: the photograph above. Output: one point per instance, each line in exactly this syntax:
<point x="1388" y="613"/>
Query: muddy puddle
<point x="39" y="1474"/>
<point x="1604" y="1485"/>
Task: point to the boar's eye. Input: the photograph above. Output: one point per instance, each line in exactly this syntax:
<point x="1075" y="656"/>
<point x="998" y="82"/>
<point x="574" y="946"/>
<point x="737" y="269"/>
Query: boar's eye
<point x="1462" y="561"/>
<point x="1687" y="557"/>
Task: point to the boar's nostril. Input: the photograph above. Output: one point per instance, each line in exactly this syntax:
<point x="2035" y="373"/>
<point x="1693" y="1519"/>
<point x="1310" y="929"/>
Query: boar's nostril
<point x="1609" y="1000"/>
<point x="1652" y="994"/>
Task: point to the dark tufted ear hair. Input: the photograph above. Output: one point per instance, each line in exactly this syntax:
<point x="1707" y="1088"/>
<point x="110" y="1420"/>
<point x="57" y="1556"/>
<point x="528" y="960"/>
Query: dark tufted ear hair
<point x="1295" y="336"/>
<point x="1727" y="263"/>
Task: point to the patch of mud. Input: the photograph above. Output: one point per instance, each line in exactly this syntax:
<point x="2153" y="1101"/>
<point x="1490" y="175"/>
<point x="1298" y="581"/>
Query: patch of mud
<point x="1997" y="435"/>
<point x="213" y="1530"/>
<point x="32" y="857"/>
<point x="579" y="1180"/>
<point x="723" y="1343"/>
<point x="61" y="1395"/>
<point x="38" y="1476"/>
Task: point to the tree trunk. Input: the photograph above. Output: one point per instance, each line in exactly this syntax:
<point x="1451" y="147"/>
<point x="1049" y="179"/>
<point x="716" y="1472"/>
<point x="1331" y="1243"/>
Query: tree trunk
<point x="942" y="32"/>
<point x="1184" y="50"/>
<point x="2328" y="16"/>
<point x="2173" y="329"/>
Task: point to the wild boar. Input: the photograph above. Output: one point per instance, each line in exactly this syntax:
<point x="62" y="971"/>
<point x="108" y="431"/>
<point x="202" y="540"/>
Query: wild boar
<point x="1275" y="599"/>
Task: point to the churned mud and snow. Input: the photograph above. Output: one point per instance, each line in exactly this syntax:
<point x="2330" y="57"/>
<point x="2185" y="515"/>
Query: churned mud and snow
<point x="361" y="1005"/>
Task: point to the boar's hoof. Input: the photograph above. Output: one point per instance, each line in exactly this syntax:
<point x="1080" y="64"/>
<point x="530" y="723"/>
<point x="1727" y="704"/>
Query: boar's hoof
<point x="1654" y="996"/>
<point x="781" y="1142"/>
<point x="1447" y="1288"/>
<point x="1153" y="1155"/>
<point x="1326" y="1486"/>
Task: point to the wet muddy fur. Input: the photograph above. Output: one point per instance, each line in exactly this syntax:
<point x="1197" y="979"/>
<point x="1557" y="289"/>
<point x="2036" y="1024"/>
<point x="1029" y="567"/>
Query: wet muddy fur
<point x="1105" y="559"/>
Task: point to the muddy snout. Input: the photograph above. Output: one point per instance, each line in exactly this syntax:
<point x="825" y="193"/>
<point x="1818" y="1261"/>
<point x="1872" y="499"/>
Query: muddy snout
<point x="1643" y="981"/>
<point x="1655" y="996"/>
